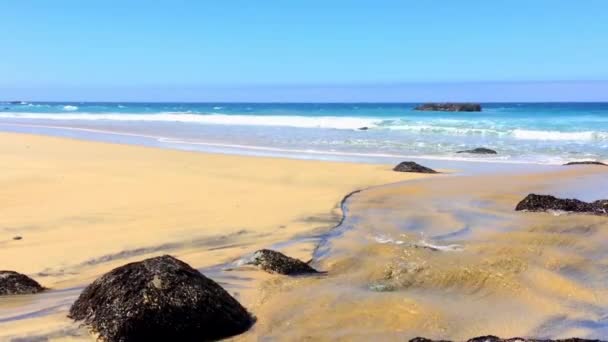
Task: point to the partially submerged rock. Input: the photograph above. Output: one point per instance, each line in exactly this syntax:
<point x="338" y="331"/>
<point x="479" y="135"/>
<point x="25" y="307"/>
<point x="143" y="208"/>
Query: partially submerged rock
<point x="479" y="150"/>
<point x="364" y="128"/>
<point x="276" y="262"/>
<point x="159" y="299"/>
<point x="491" y="338"/>
<point x="588" y="162"/>
<point x="449" y="107"/>
<point x="410" y="166"/>
<point x="534" y="202"/>
<point x="13" y="283"/>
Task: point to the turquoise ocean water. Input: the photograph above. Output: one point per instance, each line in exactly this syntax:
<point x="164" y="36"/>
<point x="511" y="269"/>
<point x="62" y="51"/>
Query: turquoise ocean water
<point x="538" y="133"/>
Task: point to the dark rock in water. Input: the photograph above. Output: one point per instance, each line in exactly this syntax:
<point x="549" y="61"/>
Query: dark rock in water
<point x="491" y="338"/>
<point x="159" y="299"/>
<point x="479" y="150"/>
<point x="409" y="166"/>
<point x="534" y="202"/>
<point x="365" y="128"/>
<point x="450" y="107"/>
<point x="590" y="162"/>
<point x="275" y="262"/>
<point x="13" y="283"/>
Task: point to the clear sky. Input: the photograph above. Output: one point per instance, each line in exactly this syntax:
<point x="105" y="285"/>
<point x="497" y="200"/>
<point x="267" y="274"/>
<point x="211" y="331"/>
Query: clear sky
<point x="304" y="50"/>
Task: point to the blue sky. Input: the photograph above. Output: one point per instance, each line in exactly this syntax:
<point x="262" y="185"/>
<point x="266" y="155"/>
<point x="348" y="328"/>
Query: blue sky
<point x="313" y="50"/>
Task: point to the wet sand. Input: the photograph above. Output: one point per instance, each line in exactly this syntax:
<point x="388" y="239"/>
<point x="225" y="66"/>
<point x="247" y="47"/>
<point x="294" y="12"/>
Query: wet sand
<point x="449" y="258"/>
<point x="83" y="208"/>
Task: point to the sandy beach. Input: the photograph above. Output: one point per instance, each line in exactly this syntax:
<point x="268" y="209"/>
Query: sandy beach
<point x="83" y="208"/>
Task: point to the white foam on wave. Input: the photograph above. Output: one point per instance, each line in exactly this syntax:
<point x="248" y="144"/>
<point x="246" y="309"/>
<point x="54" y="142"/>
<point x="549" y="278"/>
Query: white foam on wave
<point x="462" y="131"/>
<point x="217" y="119"/>
<point x="556" y="135"/>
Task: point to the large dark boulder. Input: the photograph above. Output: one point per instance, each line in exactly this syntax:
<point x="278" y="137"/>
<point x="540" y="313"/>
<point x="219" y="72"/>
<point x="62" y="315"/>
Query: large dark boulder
<point x="410" y="166"/>
<point x="276" y="262"/>
<point x="589" y="162"/>
<point x="479" y="150"/>
<point x="159" y="299"/>
<point x="449" y="107"/>
<point x="491" y="338"/>
<point x="534" y="202"/>
<point x="13" y="283"/>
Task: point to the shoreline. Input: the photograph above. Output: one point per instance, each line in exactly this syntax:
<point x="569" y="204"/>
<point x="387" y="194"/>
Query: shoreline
<point x="58" y="191"/>
<point x="471" y="164"/>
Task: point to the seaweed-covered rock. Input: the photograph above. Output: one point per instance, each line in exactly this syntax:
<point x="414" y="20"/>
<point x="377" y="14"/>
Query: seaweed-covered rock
<point x="449" y="107"/>
<point x="13" y="283"/>
<point x="534" y="202"/>
<point x="479" y="150"/>
<point x="491" y="338"/>
<point x="410" y="166"/>
<point x="159" y="299"/>
<point x="276" y="262"/>
<point x="588" y="162"/>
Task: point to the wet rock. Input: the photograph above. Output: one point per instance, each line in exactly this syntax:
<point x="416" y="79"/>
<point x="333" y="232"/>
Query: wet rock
<point x="589" y="162"/>
<point x="536" y="203"/>
<point x="13" y="283"/>
<point x="449" y="107"/>
<point x="159" y="299"/>
<point x="491" y="338"/>
<point x="410" y="166"/>
<point x="479" y="150"/>
<point x="275" y="262"/>
<point x="365" y="128"/>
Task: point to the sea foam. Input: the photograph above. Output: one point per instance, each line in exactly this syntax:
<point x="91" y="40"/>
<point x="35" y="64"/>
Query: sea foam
<point x="555" y="135"/>
<point x="218" y="119"/>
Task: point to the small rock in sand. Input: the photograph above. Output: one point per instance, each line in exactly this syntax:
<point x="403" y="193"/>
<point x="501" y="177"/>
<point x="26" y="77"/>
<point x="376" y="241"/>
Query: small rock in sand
<point x="479" y="150"/>
<point x="159" y="299"/>
<point x="410" y="166"/>
<point x="13" y="283"/>
<point x="589" y="162"/>
<point x="17" y="238"/>
<point x="491" y="338"/>
<point x="276" y="262"/>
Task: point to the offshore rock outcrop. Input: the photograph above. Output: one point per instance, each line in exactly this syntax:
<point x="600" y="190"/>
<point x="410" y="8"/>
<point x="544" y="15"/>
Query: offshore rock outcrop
<point x="410" y="166"/>
<point x="159" y="299"/>
<point x="13" y="283"/>
<point x="276" y="262"/>
<point x="449" y="107"/>
<point x="539" y="203"/>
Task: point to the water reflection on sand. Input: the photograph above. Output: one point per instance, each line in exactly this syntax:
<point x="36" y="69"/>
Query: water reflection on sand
<point x="448" y="257"/>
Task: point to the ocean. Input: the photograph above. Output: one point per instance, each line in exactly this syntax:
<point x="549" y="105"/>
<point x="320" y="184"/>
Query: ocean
<point x="530" y="133"/>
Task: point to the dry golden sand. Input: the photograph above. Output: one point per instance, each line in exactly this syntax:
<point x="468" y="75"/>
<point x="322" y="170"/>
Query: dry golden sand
<point x="83" y="208"/>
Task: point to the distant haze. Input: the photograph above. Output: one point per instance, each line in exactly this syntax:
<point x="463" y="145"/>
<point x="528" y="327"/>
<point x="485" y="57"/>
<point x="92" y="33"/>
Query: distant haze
<point x="572" y="91"/>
